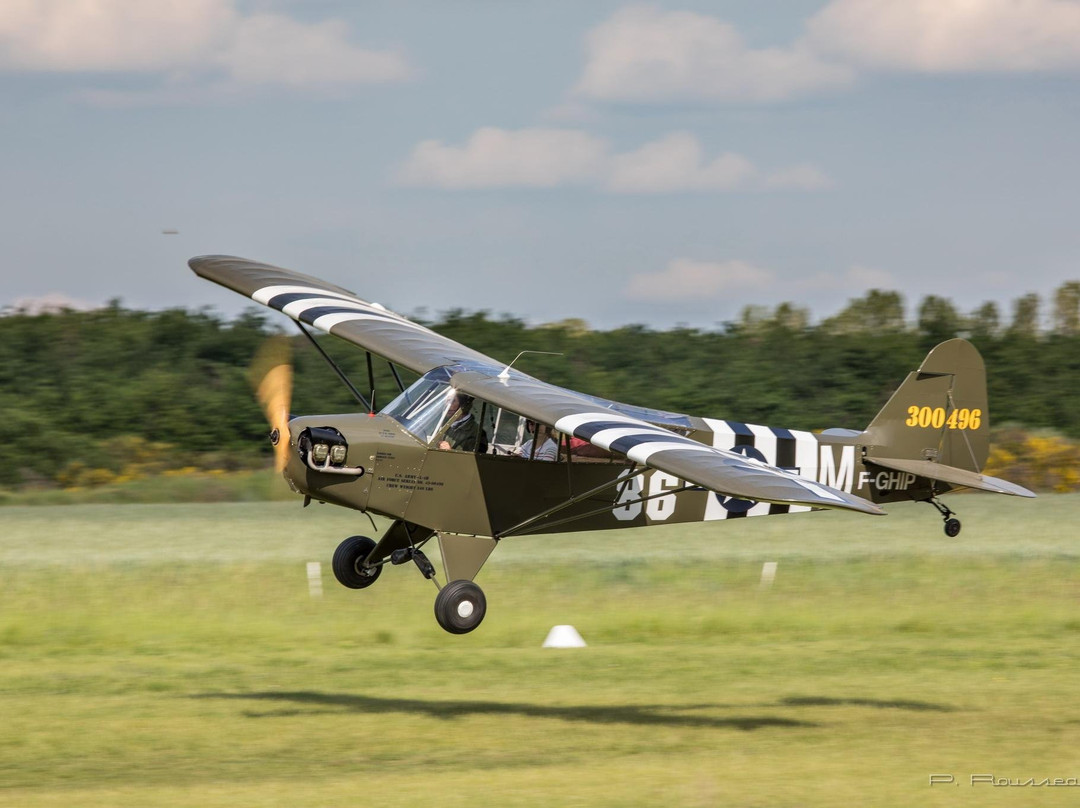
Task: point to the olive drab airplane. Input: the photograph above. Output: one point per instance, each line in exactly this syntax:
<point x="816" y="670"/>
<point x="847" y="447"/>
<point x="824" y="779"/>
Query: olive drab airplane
<point x="476" y="451"/>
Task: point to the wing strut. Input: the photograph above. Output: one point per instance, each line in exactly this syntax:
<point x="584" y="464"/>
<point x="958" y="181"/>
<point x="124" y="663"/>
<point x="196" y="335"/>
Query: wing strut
<point x="371" y="382"/>
<point x="397" y="378"/>
<point x="340" y="373"/>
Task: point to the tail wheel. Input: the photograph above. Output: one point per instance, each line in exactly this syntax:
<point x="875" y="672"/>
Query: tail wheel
<point x="952" y="524"/>
<point x="349" y="560"/>
<point x="460" y="607"/>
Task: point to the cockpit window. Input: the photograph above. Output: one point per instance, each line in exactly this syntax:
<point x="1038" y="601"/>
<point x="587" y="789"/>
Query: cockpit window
<point x="423" y="405"/>
<point x="448" y="419"/>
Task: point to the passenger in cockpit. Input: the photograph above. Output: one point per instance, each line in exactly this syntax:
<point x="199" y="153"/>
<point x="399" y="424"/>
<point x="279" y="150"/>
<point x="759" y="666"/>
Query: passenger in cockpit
<point x="544" y="438"/>
<point x="463" y="429"/>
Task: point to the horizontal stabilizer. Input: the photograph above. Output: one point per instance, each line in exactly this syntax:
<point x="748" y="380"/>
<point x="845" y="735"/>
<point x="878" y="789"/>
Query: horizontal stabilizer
<point x="951" y="475"/>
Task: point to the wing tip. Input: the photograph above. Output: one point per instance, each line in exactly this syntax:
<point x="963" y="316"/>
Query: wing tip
<point x="201" y="263"/>
<point x="1016" y="490"/>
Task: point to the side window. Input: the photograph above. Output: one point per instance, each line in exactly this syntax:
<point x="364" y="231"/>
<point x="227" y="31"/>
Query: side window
<point x="488" y="415"/>
<point x="472" y="425"/>
<point x="515" y="435"/>
<point x="507" y="431"/>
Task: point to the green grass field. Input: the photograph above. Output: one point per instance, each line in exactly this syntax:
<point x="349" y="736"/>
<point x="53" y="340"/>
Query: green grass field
<point x="171" y="655"/>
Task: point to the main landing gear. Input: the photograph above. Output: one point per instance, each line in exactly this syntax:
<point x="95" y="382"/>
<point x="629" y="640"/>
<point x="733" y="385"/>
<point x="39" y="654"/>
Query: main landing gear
<point x="460" y="605"/>
<point x="952" y="524"/>
<point x="349" y="563"/>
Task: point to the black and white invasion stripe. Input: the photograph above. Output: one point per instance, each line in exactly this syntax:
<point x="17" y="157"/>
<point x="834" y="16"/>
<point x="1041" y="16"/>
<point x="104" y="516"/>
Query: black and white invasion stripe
<point x="789" y="449"/>
<point x="640" y="441"/>
<point x="322" y="309"/>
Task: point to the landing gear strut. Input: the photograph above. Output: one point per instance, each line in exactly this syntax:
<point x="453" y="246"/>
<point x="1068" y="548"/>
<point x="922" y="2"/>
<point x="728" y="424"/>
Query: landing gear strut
<point x="952" y="524"/>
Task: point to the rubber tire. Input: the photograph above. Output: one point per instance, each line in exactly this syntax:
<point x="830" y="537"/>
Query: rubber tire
<point x="451" y="597"/>
<point x="952" y="528"/>
<point x="347" y="558"/>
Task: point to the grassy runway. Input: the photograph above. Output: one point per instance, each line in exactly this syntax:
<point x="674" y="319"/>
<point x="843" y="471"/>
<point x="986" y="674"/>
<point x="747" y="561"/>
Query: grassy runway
<point x="171" y="655"/>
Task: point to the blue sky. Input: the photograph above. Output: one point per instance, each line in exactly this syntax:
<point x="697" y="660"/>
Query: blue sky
<point x="657" y="163"/>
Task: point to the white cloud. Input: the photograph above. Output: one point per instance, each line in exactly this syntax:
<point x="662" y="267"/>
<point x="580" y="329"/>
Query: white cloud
<point x="950" y="35"/>
<point x="675" y="163"/>
<point x="646" y="54"/>
<point x="69" y="35"/>
<point x="686" y="279"/>
<point x="499" y="158"/>
<point x="52" y="303"/>
<point x="549" y="158"/>
<point x="269" y="48"/>
<point x="197" y="42"/>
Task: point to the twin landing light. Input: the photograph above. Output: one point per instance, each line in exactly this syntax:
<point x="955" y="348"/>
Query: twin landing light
<point x="324" y="448"/>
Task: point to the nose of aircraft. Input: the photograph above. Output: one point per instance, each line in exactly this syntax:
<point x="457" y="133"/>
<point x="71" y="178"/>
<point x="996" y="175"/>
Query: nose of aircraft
<point x="331" y="458"/>
<point x="339" y="445"/>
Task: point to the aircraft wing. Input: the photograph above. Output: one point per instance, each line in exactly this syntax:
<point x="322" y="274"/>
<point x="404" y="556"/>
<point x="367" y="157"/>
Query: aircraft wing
<point x="336" y="311"/>
<point x="719" y="470"/>
<point x="609" y="425"/>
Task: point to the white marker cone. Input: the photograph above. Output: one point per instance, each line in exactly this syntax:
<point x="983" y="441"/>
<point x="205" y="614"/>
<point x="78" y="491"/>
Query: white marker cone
<point x="563" y="637"/>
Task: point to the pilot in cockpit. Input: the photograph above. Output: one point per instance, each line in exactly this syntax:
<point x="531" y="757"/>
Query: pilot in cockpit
<point x="463" y="429"/>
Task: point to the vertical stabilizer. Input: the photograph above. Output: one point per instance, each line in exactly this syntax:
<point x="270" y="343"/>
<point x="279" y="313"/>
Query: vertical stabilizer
<point x="939" y="413"/>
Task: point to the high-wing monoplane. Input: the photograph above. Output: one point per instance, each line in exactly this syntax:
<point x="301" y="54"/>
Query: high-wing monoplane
<point x="475" y="451"/>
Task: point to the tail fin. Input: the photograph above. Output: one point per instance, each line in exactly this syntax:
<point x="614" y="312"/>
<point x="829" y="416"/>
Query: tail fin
<point x="938" y="414"/>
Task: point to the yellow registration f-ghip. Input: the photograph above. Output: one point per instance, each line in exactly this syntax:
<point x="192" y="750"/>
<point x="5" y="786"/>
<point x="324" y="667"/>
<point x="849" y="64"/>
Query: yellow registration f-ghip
<point x="475" y="451"/>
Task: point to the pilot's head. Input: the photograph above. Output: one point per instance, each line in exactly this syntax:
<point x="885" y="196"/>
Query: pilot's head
<point x="461" y="402"/>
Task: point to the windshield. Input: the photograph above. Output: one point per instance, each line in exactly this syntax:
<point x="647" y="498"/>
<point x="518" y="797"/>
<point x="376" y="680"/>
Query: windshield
<point x="422" y="407"/>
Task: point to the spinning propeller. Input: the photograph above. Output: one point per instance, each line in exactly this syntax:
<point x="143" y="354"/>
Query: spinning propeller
<point x="271" y="375"/>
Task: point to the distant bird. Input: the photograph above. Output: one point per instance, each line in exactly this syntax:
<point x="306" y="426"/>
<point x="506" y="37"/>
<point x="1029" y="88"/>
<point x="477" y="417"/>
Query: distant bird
<point x="170" y="232"/>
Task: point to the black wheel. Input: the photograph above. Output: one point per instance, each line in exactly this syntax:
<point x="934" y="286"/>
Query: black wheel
<point x="460" y="607"/>
<point x="349" y="566"/>
<point x="952" y="528"/>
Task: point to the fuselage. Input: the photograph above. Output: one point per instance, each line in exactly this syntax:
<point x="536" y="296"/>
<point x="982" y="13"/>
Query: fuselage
<point x="486" y="493"/>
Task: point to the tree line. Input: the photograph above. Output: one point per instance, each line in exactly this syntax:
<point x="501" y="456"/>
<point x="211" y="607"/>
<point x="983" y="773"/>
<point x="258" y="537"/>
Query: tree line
<point x="137" y="392"/>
